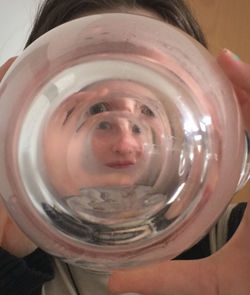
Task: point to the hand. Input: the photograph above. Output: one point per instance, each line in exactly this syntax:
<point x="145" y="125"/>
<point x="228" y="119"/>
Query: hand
<point x="239" y="74"/>
<point x="224" y="273"/>
<point x="4" y="68"/>
<point x="11" y="237"/>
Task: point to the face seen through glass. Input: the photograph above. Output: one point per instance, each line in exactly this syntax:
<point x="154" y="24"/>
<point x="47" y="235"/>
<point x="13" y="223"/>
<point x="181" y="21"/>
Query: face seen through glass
<point x="99" y="137"/>
<point x="118" y="142"/>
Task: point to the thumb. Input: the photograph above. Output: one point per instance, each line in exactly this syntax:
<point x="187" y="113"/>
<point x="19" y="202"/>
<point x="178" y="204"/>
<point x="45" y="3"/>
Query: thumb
<point x="4" y="68"/>
<point x="167" y="278"/>
<point x="239" y="74"/>
<point x="237" y="70"/>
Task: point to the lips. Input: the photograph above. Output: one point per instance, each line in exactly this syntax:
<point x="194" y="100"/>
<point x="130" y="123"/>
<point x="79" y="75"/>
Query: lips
<point x="120" y="164"/>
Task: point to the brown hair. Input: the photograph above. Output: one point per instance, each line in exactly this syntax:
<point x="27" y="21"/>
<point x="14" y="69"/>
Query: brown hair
<point x="53" y="13"/>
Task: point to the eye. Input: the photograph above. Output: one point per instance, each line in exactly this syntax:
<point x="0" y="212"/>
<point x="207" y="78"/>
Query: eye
<point x="136" y="129"/>
<point x="104" y="125"/>
<point x="68" y="114"/>
<point x="147" y="111"/>
<point x="99" y="108"/>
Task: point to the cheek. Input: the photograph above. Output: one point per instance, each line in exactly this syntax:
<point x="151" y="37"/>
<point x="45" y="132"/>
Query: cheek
<point x="55" y="153"/>
<point x="142" y="143"/>
<point x="100" y="148"/>
<point x="54" y="149"/>
<point x="76" y="152"/>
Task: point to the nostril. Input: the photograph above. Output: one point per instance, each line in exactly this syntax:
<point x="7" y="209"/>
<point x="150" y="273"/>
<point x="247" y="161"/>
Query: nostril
<point x="127" y="145"/>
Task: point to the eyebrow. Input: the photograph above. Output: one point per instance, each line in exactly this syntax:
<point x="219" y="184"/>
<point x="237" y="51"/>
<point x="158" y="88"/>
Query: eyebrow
<point x="69" y="113"/>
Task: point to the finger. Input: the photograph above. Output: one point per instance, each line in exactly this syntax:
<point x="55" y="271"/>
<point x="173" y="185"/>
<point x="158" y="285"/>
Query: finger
<point x="168" y="278"/>
<point x="237" y="70"/>
<point x="4" y="68"/>
<point x="242" y="95"/>
<point x="3" y="219"/>
<point x="244" y="101"/>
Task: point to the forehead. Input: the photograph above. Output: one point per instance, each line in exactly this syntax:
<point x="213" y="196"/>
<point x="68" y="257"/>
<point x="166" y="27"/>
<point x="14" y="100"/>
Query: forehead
<point x="116" y="87"/>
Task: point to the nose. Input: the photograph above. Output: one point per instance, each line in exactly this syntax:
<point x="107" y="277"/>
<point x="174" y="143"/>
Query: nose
<point x="126" y="143"/>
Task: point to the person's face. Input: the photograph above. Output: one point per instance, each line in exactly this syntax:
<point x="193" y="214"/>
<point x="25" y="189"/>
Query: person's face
<point x="100" y="137"/>
<point x="119" y="141"/>
<point x="115" y="142"/>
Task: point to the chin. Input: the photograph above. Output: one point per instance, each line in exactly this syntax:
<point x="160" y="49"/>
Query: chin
<point x="117" y="179"/>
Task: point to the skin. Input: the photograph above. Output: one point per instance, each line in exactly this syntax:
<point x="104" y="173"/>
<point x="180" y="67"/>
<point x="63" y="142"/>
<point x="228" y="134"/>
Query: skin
<point x="224" y="273"/>
<point x="115" y="144"/>
<point x="11" y="237"/>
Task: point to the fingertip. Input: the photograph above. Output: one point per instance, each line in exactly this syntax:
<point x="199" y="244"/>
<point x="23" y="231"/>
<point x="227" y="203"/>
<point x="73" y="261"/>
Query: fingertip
<point x="237" y="70"/>
<point x="13" y="58"/>
<point x="226" y="56"/>
<point x="9" y="61"/>
<point x="5" y="67"/>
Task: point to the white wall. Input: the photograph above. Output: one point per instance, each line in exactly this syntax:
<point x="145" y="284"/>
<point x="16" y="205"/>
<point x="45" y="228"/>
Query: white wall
<point x="16" y="18"/>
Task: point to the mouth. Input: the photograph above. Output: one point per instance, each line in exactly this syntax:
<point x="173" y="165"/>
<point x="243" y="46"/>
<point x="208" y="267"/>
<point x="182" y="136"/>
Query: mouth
<point x="120" y="164"/>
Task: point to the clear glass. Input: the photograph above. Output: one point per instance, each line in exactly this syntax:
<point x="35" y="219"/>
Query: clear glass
<point x="116" y="141"/>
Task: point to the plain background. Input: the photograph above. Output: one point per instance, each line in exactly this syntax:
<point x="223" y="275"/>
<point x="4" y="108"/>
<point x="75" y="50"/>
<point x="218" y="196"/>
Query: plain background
<point x="16" y="18"/>
<point x="226" y="23"/>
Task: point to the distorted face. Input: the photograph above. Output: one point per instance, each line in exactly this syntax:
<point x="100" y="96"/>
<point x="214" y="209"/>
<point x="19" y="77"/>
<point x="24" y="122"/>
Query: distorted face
<point x="100" y="137"/>
<point x="119" y="141"/>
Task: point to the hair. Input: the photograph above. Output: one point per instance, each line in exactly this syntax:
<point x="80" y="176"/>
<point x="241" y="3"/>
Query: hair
<point x="53" y="13"/>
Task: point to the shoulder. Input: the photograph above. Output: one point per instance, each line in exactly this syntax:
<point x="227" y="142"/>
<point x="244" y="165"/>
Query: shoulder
<point x="27" y="275"/>
<point x="226" y="226"/>
<point x="235" y="218"/>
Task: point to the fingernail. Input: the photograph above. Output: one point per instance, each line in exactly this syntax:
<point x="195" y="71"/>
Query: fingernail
<point x="236" y="56"/>
<point x="233" y="54"/>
